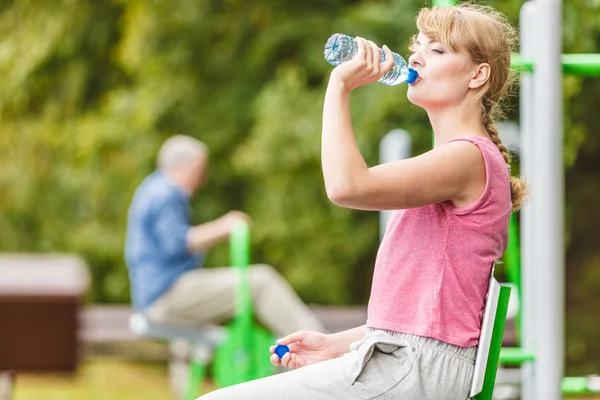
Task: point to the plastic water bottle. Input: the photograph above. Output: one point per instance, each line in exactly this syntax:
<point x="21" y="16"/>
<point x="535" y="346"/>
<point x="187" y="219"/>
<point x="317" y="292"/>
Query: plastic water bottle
<point x="340" y="48"/>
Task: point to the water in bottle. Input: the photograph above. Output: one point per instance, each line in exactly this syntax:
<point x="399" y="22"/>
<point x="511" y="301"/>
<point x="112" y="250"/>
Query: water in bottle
<point x="340" y="48"/>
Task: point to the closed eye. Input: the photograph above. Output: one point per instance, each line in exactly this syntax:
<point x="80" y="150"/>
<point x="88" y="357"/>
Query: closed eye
<point x="437" y="51"/>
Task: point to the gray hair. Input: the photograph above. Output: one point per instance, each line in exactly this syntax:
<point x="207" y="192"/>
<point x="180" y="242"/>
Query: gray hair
<point x="179" y="150"/>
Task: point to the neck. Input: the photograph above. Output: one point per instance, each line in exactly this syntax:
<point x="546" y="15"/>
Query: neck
<point x="463" y="120"/>
<point x="179" y="181"/>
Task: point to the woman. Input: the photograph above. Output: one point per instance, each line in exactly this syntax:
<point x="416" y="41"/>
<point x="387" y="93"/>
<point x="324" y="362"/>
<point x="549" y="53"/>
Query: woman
<point x="452" y="209"/>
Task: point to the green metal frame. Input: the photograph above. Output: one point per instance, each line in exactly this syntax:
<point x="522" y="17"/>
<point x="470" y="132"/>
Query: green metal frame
<point x="515" y="356"/>
<point x="195" y="379"/>
<point x="243" y="356"/>
<point x="495" y="346"/>
<point x="512" y="261"/>
<point x="575" y="64"/>
<point x="576" y="386"/>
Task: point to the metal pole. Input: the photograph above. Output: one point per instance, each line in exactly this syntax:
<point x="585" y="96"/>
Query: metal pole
<point x="547" y="204"/>
<point x="394" y="146"/>
<point x="528" y="284"/>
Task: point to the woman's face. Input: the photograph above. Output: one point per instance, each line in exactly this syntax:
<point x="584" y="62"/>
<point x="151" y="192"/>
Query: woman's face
<point x="444" y="75"/>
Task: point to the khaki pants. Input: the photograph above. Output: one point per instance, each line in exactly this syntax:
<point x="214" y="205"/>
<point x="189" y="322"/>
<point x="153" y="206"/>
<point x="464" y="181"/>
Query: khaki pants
<point x="208" y="295"/>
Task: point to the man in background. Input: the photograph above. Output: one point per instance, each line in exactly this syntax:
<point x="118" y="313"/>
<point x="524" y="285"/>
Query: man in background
<point x="164" y="253"/>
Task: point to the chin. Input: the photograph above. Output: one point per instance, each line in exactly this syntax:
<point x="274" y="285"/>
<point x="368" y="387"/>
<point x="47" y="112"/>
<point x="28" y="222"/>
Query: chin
<point x="419" y="99"/>
<point x="414" y="97"/>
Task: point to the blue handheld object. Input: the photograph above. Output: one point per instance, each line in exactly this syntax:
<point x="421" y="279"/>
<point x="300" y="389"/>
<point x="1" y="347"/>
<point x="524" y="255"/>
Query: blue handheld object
<point x="281" y="349"/>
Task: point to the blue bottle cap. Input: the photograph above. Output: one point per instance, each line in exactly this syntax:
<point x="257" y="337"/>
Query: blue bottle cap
<point x="281" y="349"/>
<point x="412" y="76"/>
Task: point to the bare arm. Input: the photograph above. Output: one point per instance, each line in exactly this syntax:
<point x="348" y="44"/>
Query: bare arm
<point x="309" y="347"/>
<point x="204" y="236"/>
<point x="454" y="171"/>
<point x="340" y="342"/>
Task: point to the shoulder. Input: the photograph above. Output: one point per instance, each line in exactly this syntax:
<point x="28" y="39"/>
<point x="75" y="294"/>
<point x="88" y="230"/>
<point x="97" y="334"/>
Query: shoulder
<point x="462" y="155"/>
<point x="154" y="193"/>
<point x="464" y="147"/>
<point x="486" y="150"/>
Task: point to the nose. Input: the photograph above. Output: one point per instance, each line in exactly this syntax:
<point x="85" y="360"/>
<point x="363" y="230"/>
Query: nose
<point x="416" y="60"/>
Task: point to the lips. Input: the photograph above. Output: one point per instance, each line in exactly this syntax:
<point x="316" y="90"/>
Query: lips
<point x="419" y="79"/>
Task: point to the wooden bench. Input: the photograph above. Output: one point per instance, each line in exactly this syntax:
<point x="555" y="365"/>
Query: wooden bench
<point x="109" y="323"/>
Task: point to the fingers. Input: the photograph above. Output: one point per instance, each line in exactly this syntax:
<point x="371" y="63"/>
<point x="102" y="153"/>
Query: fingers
<point x="289" y="361"/>
<point x="365" y="67"/>
<point x="275" y="360"/>
<point x="368" y="55"/>
<point x="389" y="61"/>
<point x="285" y="361"/>
<point x="362" y="48"/>
<point x="294" y="337"/>
<point x="375" y="57"/>
<point x="242" y="216"/>
<point x="295" y="347"/>
<point x="236" y="217"/>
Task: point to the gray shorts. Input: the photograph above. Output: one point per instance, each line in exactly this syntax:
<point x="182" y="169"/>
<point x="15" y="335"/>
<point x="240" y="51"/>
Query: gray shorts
<point x="383" y="365"/>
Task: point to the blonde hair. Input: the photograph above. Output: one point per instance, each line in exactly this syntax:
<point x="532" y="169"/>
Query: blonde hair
<point x="487" y="37"/>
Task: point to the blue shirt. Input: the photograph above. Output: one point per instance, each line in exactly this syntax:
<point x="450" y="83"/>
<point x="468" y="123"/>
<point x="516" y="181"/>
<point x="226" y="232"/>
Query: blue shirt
<point x="155" y="249"/>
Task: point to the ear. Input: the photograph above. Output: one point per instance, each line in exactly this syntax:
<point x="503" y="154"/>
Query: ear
<point x="480" y="76"/>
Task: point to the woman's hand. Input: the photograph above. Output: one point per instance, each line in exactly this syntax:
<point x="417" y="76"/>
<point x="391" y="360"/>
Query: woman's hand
<point x="365" y="67"/>
<point x="306" y="347"/>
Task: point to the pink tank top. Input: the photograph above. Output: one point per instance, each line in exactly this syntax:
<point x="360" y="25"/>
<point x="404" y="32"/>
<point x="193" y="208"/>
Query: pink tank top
<point x="433" y="266"/>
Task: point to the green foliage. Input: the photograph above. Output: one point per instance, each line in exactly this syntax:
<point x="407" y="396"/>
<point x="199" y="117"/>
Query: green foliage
<point x="91" y="90"/>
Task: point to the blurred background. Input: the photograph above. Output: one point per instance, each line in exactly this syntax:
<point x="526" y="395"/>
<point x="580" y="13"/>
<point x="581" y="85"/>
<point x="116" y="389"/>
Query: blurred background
<point x="89" y="90"/>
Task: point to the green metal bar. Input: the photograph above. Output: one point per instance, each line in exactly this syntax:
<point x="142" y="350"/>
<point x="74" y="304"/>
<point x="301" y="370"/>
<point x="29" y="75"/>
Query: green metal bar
<point x="241" y="328"/>
<point x="496" y="344"/>
<point x="512" y="260"/>
<point x="576" y="64"/>
<point x="520" y="63"/>
<point x="576" y="385"/>
<point x="512" y="255"/>
<point x="196" y="375"/>
<point x="515" y="356"/>
<point x="581" y="64"/>
<point x="239" y="246"/>
<point x="239" y="255"/>
<point x="570" y="385"/>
